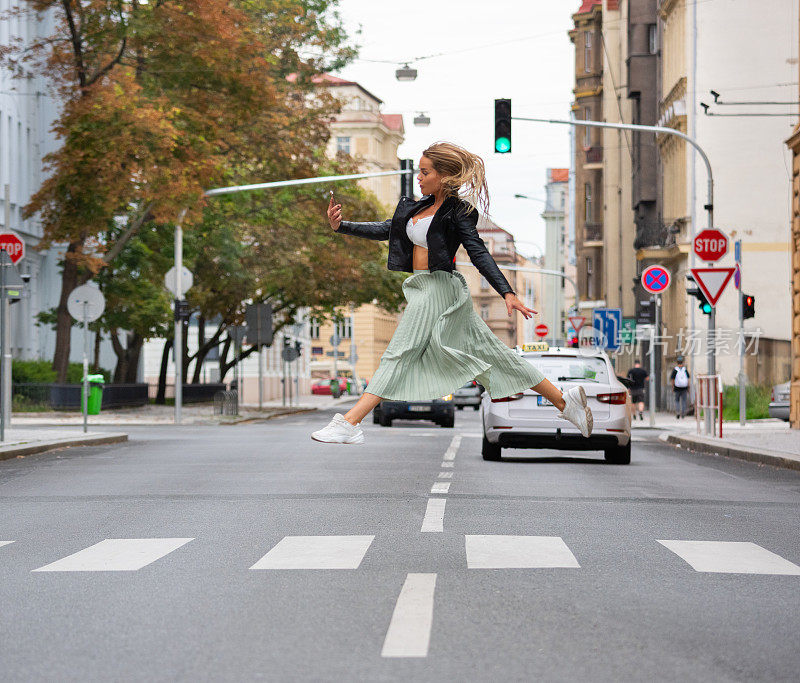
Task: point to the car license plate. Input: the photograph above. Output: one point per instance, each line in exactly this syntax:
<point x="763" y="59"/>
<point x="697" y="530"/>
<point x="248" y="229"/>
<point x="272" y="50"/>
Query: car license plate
<point x="542" y="401"/>
<point x="418" y="408"/>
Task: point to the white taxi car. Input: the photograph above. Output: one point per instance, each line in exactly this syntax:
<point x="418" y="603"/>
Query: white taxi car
<point x="528" y="420"/>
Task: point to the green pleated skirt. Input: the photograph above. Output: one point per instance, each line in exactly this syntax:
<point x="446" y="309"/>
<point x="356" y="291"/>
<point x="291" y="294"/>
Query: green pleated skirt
<point x="441" y="343"/>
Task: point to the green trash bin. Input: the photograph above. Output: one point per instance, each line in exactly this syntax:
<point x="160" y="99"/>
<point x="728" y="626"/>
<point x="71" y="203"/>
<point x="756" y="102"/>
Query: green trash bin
<point x="96" y="383"/>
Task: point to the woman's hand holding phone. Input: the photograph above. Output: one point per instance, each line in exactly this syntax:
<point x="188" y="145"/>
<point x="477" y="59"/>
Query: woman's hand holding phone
<point x="334" y="213"/>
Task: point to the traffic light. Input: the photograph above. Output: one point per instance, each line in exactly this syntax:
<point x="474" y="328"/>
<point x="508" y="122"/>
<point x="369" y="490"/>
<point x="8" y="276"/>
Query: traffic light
<point x="695" y="291"/>
<point x="298" y="347"/>
<point x="502" y="126"/>
<point x="748" y="306"/>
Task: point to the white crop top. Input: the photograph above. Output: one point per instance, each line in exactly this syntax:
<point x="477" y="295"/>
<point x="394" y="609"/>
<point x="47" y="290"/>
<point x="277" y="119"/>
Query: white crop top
<point x="418" y="232"/>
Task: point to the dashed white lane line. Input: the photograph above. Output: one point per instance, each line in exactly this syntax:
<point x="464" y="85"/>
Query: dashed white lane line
<point x="2" y="543"/>
<point x="448" y="464"/>
<point x="116" y="555"/>
<point x="434" y="516"/>
<point x="518" y="552"/>
<point x="316" y="552"/>
<point x="450" y="453"/>
<point x="409" y="631"/>
<point x="440" y="487"/>
<point x="731" y="557"/>
<point x="445" y="475"/>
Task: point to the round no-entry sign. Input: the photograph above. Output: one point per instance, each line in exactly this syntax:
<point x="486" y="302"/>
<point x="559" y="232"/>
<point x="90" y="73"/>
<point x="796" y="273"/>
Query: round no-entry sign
<point x="13" y="245"/>
<point x="655" y="279"/>
<point x="541" y="330"/>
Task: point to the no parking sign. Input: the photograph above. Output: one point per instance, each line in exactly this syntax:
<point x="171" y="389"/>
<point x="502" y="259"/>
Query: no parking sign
<point x="655" y="279"/>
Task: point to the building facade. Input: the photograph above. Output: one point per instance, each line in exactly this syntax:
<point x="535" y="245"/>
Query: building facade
<point x="587" y="36"/>
<point x="557" y="296"/>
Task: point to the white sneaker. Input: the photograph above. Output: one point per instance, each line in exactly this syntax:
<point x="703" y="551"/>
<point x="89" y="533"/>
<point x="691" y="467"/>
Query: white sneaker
<point x="339" y="430"/>
<point x="576" y="410"/>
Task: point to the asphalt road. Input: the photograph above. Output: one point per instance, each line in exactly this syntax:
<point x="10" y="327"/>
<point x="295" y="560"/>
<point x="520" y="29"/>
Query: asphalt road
<point x="251" y="552"/>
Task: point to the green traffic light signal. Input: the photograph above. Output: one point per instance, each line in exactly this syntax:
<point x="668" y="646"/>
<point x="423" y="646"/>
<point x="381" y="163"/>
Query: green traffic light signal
<point x="705" y="307"/>
<point x="502" y="126"/>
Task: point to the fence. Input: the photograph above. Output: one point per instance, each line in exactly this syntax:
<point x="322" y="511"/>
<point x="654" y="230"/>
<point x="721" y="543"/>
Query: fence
<point x="192" y="393"/>
<point x="708" y="398"/>
<point x="33" y="396"/>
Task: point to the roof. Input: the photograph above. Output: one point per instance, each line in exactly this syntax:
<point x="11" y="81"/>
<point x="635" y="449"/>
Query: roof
<point x="393" y="121"/>
<point x="586" y="5"/>
<point x="335" y="81"/>
<point x="559" y="175"/>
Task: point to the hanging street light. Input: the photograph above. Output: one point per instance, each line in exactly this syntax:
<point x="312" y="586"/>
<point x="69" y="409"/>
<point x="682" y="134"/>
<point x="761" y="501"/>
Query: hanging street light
<point x="422" y="119"/>
<point x="406" y="73"/>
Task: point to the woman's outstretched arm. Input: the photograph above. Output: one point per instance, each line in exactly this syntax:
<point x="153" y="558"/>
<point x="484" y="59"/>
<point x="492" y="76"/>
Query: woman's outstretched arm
<point x="371" y="231"/>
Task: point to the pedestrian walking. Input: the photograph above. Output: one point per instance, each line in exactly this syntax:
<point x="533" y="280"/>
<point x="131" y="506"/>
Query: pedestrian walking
<point x="639" y="378"/>
<point x="679" y="379"/>
<point x="441" y="343"/>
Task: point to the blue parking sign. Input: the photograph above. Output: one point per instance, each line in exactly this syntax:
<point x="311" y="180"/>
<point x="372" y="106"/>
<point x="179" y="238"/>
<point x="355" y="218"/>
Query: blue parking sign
<point x="608" y="322"/>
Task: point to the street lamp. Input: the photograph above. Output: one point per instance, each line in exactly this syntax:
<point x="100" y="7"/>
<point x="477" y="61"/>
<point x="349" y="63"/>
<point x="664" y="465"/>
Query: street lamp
<point x="422" y="119"/>
<point x="533" y="199"/>
<point x="406" y="73"/>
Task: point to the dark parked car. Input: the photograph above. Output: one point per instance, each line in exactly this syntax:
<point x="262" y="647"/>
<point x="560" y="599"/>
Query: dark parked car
<point x="438" y="410"/>
<point x="779" y="402"/>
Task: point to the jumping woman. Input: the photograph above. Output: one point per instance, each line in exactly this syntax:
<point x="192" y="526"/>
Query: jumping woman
<point x="441" y="343"/>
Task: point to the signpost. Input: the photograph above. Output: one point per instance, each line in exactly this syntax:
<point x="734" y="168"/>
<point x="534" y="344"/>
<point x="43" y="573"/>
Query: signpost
<point x="608" y="321"/>
<point x="13" y="245"/>
<point x="541" y="330"/>
<point x="577" y="322"/>
<point x="10" y="282"/>
<point x="710" y="244"/>
<point x="712" y="281"/>
<point x="86" y="303"/>
<point x="655" y="279"/>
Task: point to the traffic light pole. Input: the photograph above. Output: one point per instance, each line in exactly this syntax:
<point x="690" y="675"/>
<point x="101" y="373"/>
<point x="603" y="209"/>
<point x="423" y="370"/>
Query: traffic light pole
<point x="709" y="206"/>
<point x="742" y="376"/>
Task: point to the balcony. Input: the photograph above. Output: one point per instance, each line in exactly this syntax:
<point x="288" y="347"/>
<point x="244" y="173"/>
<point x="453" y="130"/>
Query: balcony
<point x="593" y="232"/>
<point x="594" y="155"/>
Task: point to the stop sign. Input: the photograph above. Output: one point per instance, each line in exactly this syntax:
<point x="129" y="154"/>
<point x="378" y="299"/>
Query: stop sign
<point x="13" y="245"/>
<point x="541" y="330"/>
<point x="710" y="244"/>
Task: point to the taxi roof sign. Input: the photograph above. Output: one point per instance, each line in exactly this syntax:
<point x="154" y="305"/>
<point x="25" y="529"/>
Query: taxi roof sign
<point x="535" y="346"/>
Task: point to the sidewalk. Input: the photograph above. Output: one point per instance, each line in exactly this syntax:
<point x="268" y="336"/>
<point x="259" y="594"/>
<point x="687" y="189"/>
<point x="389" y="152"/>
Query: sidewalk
<point x="770" y="442"/>
<point x="194" y="413"/>
<point x="19" y="442"/>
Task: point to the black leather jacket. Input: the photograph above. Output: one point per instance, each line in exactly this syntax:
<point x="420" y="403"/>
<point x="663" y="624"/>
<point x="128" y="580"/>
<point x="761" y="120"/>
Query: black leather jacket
<point x="454" y="223"/>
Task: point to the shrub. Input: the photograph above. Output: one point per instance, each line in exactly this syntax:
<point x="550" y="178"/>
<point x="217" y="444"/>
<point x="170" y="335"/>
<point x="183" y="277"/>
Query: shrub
<point x="756" y="401"/>
<point x="41" y="372"/>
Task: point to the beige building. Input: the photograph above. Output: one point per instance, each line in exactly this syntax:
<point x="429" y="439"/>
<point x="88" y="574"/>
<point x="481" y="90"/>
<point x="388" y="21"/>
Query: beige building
<point x="371" y="137"/>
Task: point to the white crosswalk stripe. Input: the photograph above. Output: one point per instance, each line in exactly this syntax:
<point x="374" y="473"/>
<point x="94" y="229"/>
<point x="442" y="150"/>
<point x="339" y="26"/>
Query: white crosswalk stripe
<point x="116" y="555"/>
<point x="2" y="543"/>
<point x="409" y="631"/>
<point x="316" y="552"/>
<point x="731" y="557"/>
<point x="518" y="552"/>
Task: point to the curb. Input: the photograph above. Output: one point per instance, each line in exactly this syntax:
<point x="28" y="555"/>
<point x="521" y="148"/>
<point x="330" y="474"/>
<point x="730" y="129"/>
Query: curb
<point x="714" y="447"/>
<point x="8" y="452"/>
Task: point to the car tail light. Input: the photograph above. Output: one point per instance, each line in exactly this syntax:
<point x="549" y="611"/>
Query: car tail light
<point x="616" y="399"/>
<point x="513" y="397"/>
<point x="772" y="395"/>
<point x="474" y="383"/>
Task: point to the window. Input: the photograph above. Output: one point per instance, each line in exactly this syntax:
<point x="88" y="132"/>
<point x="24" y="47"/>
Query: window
<point x="484" y="283"/>
<point x="587" y="50"/>
<point x="587" y="199"/>
<point x="345" y="329"/>
<point x="652" y="36"/>
<point x="485" y="311"/>
<point x="587" y="131"/>
<point x="343" y="144"/>
<point x="314" y="328"/>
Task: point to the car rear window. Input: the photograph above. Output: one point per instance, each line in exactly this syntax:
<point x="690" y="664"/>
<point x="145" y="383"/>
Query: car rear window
<point x="584" y="367"/>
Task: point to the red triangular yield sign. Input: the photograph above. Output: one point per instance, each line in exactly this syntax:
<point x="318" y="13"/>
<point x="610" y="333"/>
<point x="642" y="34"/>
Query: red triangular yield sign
<point x="577" y="322"/>
<point x="712" y="281"/>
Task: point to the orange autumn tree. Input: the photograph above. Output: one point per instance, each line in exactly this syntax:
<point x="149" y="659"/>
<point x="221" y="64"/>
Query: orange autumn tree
<point x="161" y="100"/>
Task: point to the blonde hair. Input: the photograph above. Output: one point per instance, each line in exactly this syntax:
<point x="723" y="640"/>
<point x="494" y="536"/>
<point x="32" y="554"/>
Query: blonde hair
<point x="463" y="174"/>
